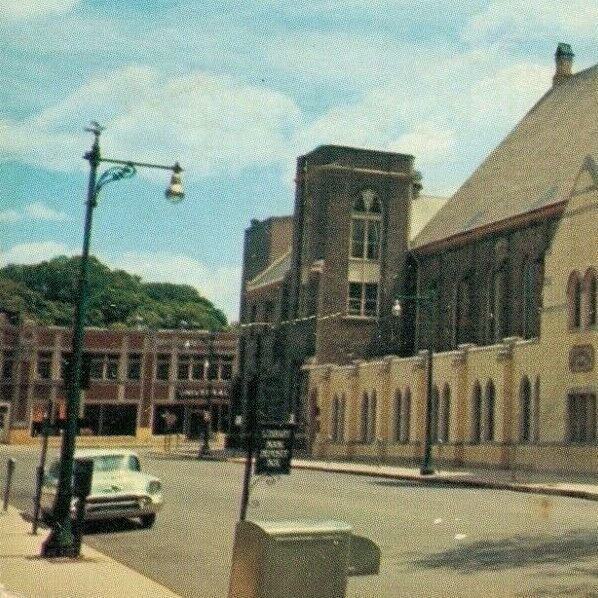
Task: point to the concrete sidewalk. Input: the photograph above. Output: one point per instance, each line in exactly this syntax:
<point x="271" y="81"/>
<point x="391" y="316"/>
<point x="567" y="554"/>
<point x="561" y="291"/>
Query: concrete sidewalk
<point x="24" y="574"/>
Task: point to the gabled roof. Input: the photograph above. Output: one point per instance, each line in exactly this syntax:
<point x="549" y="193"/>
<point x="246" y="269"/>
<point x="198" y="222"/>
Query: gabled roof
<point x="533" y="168"/>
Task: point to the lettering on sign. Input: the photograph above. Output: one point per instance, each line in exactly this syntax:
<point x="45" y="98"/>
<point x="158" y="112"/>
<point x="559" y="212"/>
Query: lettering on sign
<point x="275" y="449"/>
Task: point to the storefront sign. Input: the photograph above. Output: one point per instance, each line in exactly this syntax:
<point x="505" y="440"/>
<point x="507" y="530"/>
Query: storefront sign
<point x="275" y="449"/>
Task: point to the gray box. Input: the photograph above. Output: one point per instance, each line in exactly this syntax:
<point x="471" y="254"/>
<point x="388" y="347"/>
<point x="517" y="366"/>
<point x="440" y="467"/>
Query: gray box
<point x="290" y="559"/>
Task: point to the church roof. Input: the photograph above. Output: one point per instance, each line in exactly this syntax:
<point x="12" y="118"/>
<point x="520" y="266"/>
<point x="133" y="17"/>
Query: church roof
<point x="533" y="168"/>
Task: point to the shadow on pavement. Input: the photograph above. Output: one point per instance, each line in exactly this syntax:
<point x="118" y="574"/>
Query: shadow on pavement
<point x="518" y="551"/>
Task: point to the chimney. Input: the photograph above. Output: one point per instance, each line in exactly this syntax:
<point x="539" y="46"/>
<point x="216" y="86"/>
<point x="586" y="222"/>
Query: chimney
<point x="564" y="61"/>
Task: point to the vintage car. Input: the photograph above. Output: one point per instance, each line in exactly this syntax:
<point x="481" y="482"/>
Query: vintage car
<point x="118" y="489"/>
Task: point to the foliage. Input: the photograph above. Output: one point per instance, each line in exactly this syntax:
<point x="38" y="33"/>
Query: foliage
<point x="46" y="292"/>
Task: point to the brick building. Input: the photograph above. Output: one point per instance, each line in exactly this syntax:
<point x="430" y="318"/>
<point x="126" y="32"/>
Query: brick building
<point x="141" y="383"/>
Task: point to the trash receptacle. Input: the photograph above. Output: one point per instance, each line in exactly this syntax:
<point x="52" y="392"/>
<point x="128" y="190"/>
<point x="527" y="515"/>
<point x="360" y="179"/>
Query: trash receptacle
<point x="291" y="559"/>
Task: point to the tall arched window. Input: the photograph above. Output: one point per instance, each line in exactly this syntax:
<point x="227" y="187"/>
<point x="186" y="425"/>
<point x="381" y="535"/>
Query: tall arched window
<point x="335" y="418"/>
<point x="497" y="294"/>
<point x="444" y="415"/>
<point x="372" y="417"/>
<point x="435" y="411"/>
<point x="364" y="266"/>
<point x="536" y="412"/>
<point x="531" y="297"/>
<point x="589" y="292"/>
<point x="365" y="414"/>
<point x="366" y="226"/>
<point x="574" y="301"/>
<point x="476" y="413"/>
<point x="525" y="410"/>
<point x="488" y="412"/>
<point x="397" y="416"/>
<point x="461" y="316"/>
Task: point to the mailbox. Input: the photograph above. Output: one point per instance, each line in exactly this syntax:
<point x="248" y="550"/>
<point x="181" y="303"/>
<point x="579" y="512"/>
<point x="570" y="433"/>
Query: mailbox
<point x="298" y="559"/>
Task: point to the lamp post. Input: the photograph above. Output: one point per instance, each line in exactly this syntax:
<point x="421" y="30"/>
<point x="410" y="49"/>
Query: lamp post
<point x="61" y="541"/>
<point x="204" y="451"/>
<point x="426" y="466"/>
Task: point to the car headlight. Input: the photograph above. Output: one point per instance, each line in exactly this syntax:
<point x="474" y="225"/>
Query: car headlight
<point x="154" y="487"/>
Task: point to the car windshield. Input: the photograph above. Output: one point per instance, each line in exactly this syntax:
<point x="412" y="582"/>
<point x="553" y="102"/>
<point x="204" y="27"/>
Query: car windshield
<point x="105" y="463"/>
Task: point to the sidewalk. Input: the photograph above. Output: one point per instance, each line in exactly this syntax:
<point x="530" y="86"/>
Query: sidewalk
<point x="24" y="574"/>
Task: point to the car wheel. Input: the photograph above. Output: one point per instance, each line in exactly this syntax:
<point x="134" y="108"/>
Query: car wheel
<point x="148" y="520"/>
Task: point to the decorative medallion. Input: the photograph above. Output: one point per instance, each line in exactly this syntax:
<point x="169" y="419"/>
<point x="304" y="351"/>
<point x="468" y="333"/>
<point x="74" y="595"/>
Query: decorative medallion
<point x="581" y="358"/>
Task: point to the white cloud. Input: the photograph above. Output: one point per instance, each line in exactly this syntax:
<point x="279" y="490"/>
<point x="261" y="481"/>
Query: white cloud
<point x="509" y="19"/>
<point x="25" y="9"/>
<point x="34" y="211"/>
<point x="33" y="253"/>
<point x="221" y="285"/>
<point x="9" y="216"/>
<point x="426" y="141"/>
<point x="209" y="123"/>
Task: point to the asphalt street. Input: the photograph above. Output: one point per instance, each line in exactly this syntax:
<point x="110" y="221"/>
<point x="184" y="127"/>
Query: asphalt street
<point x="435" y="540"/>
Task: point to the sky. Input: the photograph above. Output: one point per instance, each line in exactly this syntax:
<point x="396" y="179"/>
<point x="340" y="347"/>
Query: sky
<point x="236" y="91"/>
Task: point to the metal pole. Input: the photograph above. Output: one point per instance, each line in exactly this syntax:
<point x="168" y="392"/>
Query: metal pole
<point x="10" y="468"/>
<point x="426" y="466"/>
<point x="207" y="424"/>
<point x="41" y="467"/>
<point x="250" y="426"/>
<point x="61" y="541"/>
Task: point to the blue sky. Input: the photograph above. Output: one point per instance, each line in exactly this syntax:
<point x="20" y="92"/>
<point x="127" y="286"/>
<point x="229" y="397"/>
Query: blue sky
<point x="235" y="91"/>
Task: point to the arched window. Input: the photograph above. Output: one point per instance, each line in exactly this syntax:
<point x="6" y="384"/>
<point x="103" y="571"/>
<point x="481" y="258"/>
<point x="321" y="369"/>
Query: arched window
<point x="497" y="294"/>
<point x="531" y="285"/>
<point x="536" y="412"/>
<point x="525" y="411"/>
<point x="366" y="226"/>
<point x="461" y="316"/>
<point x="444" y="415"/>
<point x="476" y="413"/>
<point x="574" y="301"/>
<point x="435" y="412"/>
<point x="589" y="291"/>
<point x="488" y="412"/>
<point x="405" y="416"/>
<point x="335" y="419"/>
<point x="372" y="418"/>
<point x="397" y="416"/>
<point x="365" y="413"/>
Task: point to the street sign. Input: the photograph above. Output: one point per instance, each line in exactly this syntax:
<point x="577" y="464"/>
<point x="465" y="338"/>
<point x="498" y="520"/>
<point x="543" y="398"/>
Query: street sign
<point x="274" y="449"/>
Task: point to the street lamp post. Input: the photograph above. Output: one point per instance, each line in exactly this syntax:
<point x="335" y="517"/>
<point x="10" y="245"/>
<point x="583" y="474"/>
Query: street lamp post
<point x="61" y="541"/>
<point x="204" y="451"/>
<point x="426" y="467"/>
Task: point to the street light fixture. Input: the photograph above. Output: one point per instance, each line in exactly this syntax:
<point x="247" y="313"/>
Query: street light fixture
<point x="426" y="467"/>
<point x="61" y="541"/>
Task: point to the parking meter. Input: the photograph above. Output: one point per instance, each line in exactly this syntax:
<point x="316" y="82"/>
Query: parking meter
<point x="82" y="475"/>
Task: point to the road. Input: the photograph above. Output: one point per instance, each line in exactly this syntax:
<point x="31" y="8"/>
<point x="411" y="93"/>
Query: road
<point x="435" y="540"/>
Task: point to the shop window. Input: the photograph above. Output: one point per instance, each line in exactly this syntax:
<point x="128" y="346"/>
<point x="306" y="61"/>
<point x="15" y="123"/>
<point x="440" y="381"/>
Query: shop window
<point x="134" y="366"/>
<point x="104" y="366"/>
<point x="109" y="419"/>
<point x="162" y="366"/>
<point x="8" y="359"/>
<point x="44" y="365"/>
